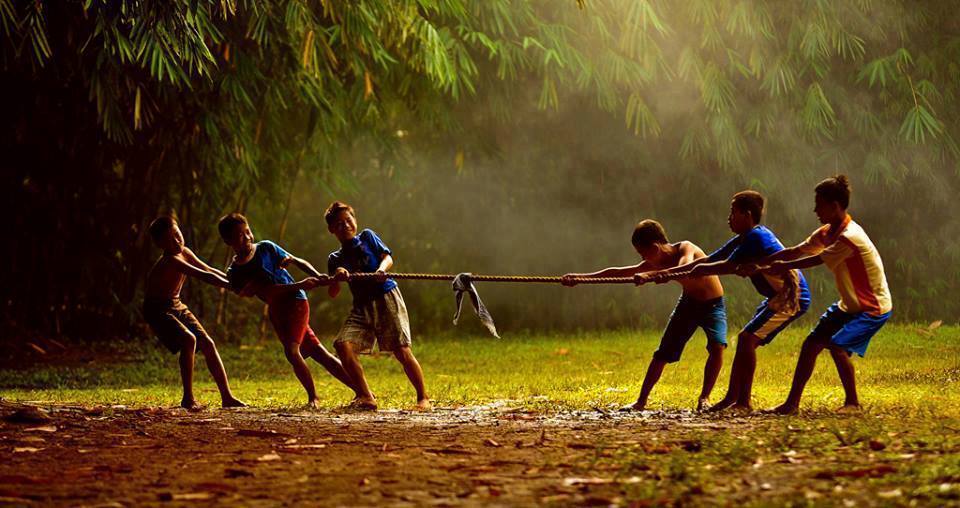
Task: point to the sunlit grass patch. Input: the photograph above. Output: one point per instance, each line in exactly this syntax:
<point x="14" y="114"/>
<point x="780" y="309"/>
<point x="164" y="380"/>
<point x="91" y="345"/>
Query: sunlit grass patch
<point x="906" y="372"/>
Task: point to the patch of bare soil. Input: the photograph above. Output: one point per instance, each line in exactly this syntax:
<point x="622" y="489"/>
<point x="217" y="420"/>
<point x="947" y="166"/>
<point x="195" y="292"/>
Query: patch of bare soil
<point x="114" y="456"/>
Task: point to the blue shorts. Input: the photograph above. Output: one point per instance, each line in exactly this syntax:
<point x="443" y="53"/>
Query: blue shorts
<point x="687" y="316"/>
<point x="851" y="332"/>
<point x="767" y="323"/>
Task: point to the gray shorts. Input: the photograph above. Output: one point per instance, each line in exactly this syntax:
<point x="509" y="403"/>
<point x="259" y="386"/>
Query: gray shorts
<point x="382" y="320"/>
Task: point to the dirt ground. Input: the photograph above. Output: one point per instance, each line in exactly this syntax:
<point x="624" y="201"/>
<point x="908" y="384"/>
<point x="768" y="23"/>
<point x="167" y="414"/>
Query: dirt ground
<point x="114" y="456"/>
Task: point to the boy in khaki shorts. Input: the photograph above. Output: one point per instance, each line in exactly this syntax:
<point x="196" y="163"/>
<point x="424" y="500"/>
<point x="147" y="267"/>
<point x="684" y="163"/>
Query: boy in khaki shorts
<point x="378" y="314"/>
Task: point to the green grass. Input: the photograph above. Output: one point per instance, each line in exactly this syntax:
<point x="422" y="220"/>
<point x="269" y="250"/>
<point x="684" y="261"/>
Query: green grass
<point x="907" y="371"/>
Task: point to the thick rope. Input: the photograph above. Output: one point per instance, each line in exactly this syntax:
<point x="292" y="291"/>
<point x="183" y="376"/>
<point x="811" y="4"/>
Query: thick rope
<point x="787" y="300"/>
<point x="494" y="278"/>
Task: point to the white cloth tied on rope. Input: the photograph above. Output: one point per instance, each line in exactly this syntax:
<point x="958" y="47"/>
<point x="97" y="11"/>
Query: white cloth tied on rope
<point x="463" y="283"/>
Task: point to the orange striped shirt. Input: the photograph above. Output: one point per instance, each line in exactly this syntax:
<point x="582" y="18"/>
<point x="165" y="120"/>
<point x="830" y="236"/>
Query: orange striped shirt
<point x="856" y="266"/>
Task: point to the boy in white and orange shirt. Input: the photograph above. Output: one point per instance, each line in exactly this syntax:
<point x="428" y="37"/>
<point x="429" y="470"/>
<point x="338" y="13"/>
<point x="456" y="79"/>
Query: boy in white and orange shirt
<point x="865" y="304"/>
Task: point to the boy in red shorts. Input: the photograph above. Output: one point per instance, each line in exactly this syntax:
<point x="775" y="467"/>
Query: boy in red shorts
<point x="259" y="269"/>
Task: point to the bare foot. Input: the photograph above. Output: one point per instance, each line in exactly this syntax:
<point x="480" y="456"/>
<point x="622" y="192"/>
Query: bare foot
<point x="313" y="404"/>
<point x="233" y="402"/>
<point x="849" y="409"/>
<point x="720" y="406"/>
<point x="636" y="406"/>
<point x="364" y="404"/>
<point x="424" y="405"/>
<point x="190" y="405"/>
<point x="785" y="409"/>
<point x="703" y="404"/>
<point x="741" y="409"/>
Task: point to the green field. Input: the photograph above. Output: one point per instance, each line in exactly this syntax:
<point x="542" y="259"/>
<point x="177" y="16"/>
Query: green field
<point x="908" y="371"/>
<point x="903" y="450"/>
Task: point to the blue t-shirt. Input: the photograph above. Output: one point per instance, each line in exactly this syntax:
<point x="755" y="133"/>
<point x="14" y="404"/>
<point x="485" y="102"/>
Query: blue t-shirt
<point x="755" y="244"/>
<point x="362" y="255"/>
<point x="263" y="267"/>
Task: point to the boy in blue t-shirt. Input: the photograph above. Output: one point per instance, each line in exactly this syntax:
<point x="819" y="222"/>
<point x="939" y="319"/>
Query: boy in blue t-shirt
<point x="259" y="269"/>
<point x="782" y="303"/>
<point x="378" y="313"/>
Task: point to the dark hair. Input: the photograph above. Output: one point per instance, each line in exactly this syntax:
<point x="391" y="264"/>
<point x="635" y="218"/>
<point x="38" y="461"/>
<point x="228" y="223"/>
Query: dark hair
<point x="648" y="232"/>
<point x="751" y="202"/>
<point x="160" y="226"/>
<point x="335" y="208"/>
<point x="228" y="224"/>
<point x="835" y="189"/>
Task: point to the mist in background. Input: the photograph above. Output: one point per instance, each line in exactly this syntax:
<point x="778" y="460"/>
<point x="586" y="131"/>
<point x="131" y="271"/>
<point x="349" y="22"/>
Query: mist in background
<point x="496" y="137"/>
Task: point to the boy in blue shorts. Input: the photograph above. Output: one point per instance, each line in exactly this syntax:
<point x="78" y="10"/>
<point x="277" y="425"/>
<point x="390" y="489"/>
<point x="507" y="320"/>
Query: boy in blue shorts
<point x="700" y="306"/>
<point x="865" y="303"/>
<point x="379" y="314"/>
<point x="781" y="305"/>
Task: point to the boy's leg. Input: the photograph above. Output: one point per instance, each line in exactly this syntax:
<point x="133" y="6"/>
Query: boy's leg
<point x="682" y="324"/>
<point x="847" y="377"/>
<point x="212" y="357"/>
<point x="301" y="370"/>
<point x="392" y="323"/>
<point x="713" y="320"/>
<point x="766" y="324"/>
<point x="854" y="337"/>
<point x="333" y="365"/>
<point x="741" y="373"/>
<point x="290" y="319"/>
<point x="414" y="373"/>
<point x="654" y="371"/>
<point x="312" y="348"/>
<point x="351" y="364"/>
<point x="188" y="346"/>
<point x="812" y="347"/>
<point x="218" y="372"/>
<point x="164" y="318"/>
<point x="711" y="371"/>
<point x="831" y="322"/>
<point x="748" y="367"/>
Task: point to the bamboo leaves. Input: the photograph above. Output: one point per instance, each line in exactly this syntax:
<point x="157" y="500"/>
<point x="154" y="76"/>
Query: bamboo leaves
<point x="818" y="116"/>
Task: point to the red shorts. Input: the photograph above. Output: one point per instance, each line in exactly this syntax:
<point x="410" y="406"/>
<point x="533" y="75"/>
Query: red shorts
<point x="291" y="320"/>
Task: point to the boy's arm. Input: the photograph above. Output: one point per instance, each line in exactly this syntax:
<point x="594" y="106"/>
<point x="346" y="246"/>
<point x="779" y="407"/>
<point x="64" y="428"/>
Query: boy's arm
<point x="339" y="275"/>
<point x="700" y="265"/>
<point x="688" y="259"/>
<point x="209" y="277"/>
<point x="302" y="264"/>
<point x="701" y="268"/>
<point x="386" y="263"/>
<point x="195" y="260"/>
<point x="269" y="291"/>
<point x="613" y="271"/>
<point x="781" y="256"/>
<point x="780" y="266"/>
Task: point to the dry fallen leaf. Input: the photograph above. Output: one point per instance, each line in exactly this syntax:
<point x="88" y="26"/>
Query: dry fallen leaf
<point x="26" y="449"/>
<point x="260" y="433"/>
<point x="44" y="428"/>
<point x="303" y="446"/>
<point x="491" y="442"/>
<point x="890" y="493"/>
<point x="268" y="457"/>
<point x="192" y="496"/>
